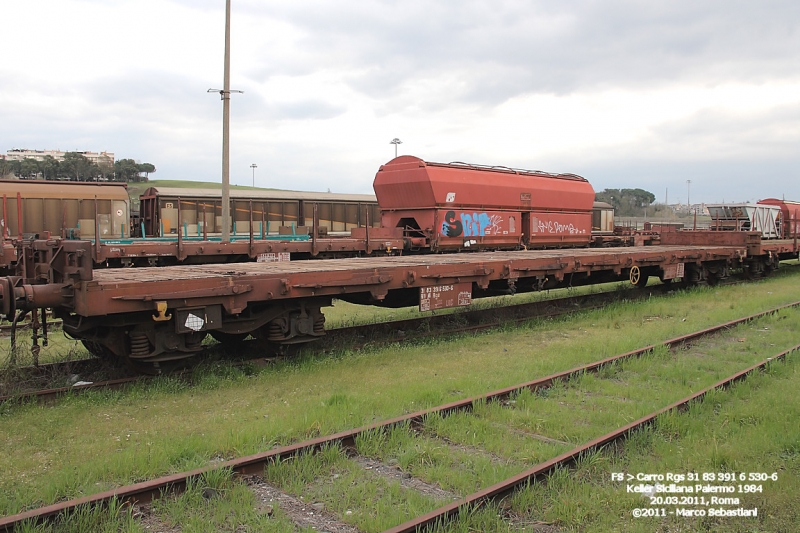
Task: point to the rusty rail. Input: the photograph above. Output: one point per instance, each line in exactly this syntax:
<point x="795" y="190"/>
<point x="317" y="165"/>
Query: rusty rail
<point x="254" y="464"/>
<point x="505" y="487"/>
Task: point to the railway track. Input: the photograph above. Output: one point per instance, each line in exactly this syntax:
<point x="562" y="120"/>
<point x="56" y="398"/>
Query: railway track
<point x="419" y="425"/>
<point x="353" y="337"/>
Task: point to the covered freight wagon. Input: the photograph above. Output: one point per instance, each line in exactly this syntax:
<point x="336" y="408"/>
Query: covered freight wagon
<point x="461" y="206"/>
<point x="69" y="209"/>
<point x="270" y="210"/>
<point x="789" y="222"/>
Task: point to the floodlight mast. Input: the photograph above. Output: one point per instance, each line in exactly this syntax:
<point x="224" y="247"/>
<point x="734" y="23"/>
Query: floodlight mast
<point x="225" y="94"/>
<point x="395" y="142"/>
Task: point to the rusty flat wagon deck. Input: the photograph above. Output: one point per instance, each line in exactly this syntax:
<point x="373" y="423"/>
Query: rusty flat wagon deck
<point x="234" y="285"/>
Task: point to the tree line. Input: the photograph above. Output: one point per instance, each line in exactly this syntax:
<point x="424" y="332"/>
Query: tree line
<point x="77" y="167"/>
<point x="627" y="202"/>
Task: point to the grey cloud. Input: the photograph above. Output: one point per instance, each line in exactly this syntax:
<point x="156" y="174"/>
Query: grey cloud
<point x="308" y="109"/>
<point x="547" y="47"/>
<point x="712" y="181"/>
<point x="718" y="133"/>
<point x="153" y="90"/>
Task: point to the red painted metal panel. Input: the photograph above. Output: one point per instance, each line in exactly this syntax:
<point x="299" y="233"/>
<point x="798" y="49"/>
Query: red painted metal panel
<point x="566" y="227"/>
<point x="408" y="182"/>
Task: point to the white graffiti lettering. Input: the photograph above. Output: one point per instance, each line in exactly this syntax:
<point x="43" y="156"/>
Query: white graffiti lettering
<point x="551" y="226"/>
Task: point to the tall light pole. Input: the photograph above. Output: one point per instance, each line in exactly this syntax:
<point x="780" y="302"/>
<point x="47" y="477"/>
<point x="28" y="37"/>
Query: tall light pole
<point x="395" y="142"/>
<point x="225" y="94"/>
<point x="254" y="167"/>
<point x="688" y="193"/>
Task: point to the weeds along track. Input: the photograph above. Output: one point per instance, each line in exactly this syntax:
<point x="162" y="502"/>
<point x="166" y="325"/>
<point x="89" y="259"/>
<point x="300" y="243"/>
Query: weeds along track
<point x="448" y="461"/>
<point x="49" y="381"/>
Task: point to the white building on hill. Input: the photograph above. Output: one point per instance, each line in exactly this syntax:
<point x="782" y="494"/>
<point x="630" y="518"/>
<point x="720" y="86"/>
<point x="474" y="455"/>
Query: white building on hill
<point x="18" y="154"/>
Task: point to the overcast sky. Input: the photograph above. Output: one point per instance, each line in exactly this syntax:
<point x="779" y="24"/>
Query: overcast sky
<point x="627" y="94"/>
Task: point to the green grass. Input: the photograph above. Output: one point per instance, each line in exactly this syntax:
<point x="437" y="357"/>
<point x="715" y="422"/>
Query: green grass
<point x="750" y="428"/>
<point x="453" y="468"/>
<point x="344" y="314"/>
<point x="113" y="519"/>
<point x="59" y="348"/>
<point x="89" y="443"/>
<point x="578" y="410"/>
<point x="366" y="501"/>
<point x="217" y="502"/>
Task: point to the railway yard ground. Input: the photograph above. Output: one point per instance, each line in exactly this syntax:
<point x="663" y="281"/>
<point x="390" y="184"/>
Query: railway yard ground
<point x="82" y="445"/>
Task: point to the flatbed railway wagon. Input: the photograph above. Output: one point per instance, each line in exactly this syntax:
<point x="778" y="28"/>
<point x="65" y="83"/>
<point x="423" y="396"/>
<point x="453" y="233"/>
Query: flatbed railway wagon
<point x="149" y="316"/>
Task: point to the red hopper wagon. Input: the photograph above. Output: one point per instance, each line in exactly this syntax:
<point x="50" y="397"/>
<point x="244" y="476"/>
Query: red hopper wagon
<point x="459" y="207"/>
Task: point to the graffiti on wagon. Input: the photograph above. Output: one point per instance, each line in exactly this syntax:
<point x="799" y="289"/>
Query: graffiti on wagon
<point x="476" y="224"/>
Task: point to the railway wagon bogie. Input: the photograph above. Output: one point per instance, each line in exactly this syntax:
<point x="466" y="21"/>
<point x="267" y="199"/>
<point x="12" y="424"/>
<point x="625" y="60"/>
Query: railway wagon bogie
<point x="149" y="339"/>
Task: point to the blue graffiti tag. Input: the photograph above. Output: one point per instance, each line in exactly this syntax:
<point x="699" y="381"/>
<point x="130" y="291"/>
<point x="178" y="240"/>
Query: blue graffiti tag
<point x="475" y="224"/>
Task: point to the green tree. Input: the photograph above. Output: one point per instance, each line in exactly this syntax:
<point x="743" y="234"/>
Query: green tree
<point x="104" y="167"/>
<point x="28" y="168"/>
<point x="49" y="167"/>
<point x="627" y="202"/>
<point x="6" y="167"/>
<point x="126" y="170"/>
<point x="76" y="166"/>
<point x="147" y="168"/>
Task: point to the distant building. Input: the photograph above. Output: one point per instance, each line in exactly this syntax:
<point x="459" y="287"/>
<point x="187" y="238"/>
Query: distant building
<point x="18" y="154"/>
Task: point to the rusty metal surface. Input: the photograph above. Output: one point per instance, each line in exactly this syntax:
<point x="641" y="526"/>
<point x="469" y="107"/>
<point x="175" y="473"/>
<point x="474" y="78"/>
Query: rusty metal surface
<point x="208" y="251"/>
<point x="505" y="487"/>
<point x="409" y="183"/>
<point x="52" y="394"/>
<point x="149" y="490"/>
<point x="234" y="285"/>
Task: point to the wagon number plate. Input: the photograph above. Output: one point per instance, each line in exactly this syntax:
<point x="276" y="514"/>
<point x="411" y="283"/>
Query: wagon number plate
<point x="673" y="271"/>
<point x="444" y="296"/>
<point x="273" y="257"/>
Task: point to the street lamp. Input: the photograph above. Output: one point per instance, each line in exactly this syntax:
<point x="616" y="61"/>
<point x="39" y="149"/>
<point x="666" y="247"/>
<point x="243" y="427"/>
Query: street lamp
<point x="254" y="167"/>
<point x="688" y="193"/>
<point x="395" y="142"/>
